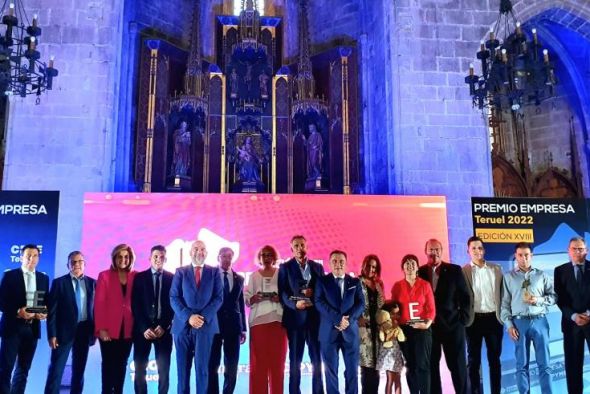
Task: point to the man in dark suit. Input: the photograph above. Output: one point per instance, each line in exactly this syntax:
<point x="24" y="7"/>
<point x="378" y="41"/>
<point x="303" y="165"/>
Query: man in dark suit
<point x="70" y="324"/>
<point x="296" y="281"/>
<point x="453" y="303"/>
<point x="572" y="286"/>
<point x="232" y="327"/>
<point x="152" y="320"/>
<point x="20" y="288"/>
<point x="196" y="295"/>
<point x="484" y="282"/>
<point x="340" y="301"/>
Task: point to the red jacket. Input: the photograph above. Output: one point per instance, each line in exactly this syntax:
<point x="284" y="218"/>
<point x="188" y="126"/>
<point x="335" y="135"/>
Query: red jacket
<point x="111" y="308"/>
<point x="419" y="298"/>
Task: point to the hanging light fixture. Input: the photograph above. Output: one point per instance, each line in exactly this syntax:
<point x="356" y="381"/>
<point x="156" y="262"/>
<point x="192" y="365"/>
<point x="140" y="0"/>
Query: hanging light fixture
<point x="515" y="71"/>
<point x="21" y="70"/>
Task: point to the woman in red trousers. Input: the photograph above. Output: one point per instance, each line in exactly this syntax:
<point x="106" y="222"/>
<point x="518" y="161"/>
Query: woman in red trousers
<point x="268" y="338"/>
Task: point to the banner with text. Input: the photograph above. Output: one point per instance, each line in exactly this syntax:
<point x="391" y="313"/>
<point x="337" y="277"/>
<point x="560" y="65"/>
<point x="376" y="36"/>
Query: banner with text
<point x="548" y="224"/>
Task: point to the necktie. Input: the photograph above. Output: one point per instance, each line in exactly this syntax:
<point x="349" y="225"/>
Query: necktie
<point x="157" y="294"/>
<point x="435" y="272"/>
<point x="198" y="275"/>
<point x="78" y="298"/>
<point x="579" y="274"/>
<point x="225" y="283"/>
<point x="339" y="282"/>
<point x="30" y="294"/>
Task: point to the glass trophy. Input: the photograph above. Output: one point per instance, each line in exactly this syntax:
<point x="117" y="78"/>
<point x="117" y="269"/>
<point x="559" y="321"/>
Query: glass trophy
<point x="267" y="289"/>
<point x="35" y="302"/>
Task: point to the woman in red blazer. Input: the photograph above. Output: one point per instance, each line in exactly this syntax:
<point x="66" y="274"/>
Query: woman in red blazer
<point x="113" y="318"/>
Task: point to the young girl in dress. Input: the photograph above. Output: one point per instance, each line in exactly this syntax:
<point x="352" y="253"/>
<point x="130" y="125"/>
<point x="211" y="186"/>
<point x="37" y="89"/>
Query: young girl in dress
<point x="390" y="358"/>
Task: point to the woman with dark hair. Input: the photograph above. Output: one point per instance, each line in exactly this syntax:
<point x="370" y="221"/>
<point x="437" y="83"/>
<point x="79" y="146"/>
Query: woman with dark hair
<point x="372" y="287"/>
<point x="417" y="312"/>
<point x="113" y="317"/>
<point x="268" y="338"/>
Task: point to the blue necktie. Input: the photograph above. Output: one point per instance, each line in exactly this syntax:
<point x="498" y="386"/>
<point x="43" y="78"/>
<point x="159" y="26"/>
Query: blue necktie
<point x="79" y="298"/>
<point x="225" y="283"/>
<point x="579" y="274"/>
<point x="157" y="295"/>
<point x="339" y="284"/>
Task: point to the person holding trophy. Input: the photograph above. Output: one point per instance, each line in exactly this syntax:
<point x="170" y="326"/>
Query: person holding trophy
<point x="266" y="332"/>
<point x="528" y="292"/>
<point x="297" y="278"/>
<point x="22" y="303"/>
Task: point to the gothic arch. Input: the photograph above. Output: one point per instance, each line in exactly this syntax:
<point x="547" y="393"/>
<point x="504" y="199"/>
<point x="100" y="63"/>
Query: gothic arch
<point x="553" y="183"/>
<point x="507" y="181"/>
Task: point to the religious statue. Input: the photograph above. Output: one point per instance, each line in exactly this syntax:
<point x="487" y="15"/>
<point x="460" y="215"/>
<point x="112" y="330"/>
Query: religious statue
<point x="248" y="161"/>
<point x="263" y="80"/>
<point x="314" y="153"/>
<point x="233" y="84"/>
<point x="248" y="76"/>
<point x="182" y="147"/>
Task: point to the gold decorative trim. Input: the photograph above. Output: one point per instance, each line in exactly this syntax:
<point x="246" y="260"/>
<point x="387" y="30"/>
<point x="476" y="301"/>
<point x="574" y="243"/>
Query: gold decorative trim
<point x="345" y="127"/>
<point x="149" y="146"/>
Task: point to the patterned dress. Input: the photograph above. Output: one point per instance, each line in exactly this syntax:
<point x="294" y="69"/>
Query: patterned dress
<point x="369" y="340"/>
<point x="390" y="359"/>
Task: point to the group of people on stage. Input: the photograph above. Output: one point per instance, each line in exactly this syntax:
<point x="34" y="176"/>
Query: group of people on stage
<point x="437" y="307"/>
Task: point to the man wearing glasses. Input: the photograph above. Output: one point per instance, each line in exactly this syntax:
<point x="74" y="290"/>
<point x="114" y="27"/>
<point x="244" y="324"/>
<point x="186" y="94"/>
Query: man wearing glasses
<point x="572" y="286"/>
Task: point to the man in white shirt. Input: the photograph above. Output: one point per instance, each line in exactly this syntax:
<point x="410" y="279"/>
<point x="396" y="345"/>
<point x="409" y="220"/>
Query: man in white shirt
<point x="484" y="282"/>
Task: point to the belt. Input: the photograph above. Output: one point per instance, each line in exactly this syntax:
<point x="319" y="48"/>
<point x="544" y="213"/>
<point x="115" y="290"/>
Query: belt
<point x="485" y="314"/>
<point x="529" y="317"/>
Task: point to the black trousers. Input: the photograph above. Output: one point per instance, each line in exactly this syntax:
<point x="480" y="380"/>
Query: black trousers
<point x="141" y="353"/>
<point x="115" y="354"/>
<point x="417" y="350"/>
<point x="79" y="346"/>
<point x="574" y="338"/>
<point x="485" y="327"/>
<point x="452" y="342"/>
<point x="231" y="354"/>
<point x="369" y="380"/>
<point x="18" y="347"/>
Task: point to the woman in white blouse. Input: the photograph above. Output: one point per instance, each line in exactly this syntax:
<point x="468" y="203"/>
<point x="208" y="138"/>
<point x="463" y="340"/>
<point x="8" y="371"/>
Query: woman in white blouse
<point x="266" y="331"/>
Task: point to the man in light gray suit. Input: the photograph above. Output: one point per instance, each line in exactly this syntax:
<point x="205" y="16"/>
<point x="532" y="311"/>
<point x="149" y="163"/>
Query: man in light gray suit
<point x="484" y="281"/>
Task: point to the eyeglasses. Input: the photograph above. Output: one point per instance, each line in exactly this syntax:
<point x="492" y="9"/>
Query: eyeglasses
<point x="267" y="255"/>
<point x="578" y="250"/>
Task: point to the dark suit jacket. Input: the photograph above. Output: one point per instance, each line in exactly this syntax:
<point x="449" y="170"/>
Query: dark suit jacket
<point x="232" y="314"/>
<point x="289" y="282"/>
<point x="332" y="307"/>
<point x="13" y="297"/>
<point x="451" y="297"/>
<point x="571" y="298"/>
<point x="143" y="302"/>
<point x="62" y="319"/>
<point x="186" y="299"/>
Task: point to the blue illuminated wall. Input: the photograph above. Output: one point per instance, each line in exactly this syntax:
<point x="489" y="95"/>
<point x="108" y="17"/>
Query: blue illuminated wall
<point x="420" y="134"/>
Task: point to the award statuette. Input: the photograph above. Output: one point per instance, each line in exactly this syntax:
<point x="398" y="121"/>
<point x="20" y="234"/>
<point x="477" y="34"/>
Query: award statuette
<point x="35" y="302"/>
<point x="305" y="290"/>
<point x="267" y="291"/>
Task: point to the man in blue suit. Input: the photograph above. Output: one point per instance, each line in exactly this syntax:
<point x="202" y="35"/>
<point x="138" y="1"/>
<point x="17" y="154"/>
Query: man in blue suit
<point x="152" y="319"/>
<point x="20" y="289"/>
<point x="297" y="278"/>
<point x="70" y="324"/>
<point x="232" y="327"/>
<point x="196" y="295"/>
<point x="340" y="302"/>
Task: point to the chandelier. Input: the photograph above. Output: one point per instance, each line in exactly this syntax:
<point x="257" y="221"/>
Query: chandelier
<point x="21" y="71"/>
<point x="515" y="71"/>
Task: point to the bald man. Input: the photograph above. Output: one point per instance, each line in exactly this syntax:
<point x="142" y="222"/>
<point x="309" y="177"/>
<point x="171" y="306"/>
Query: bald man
<point x="195" y="296"/>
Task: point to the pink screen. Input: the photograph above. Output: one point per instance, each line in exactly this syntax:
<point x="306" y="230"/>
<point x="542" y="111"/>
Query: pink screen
<point x="389" y="226"/>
